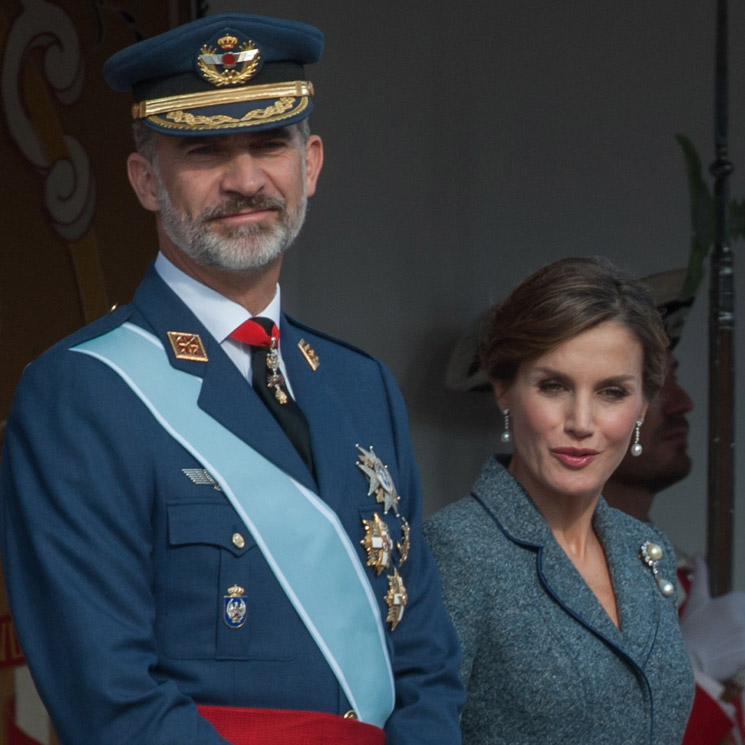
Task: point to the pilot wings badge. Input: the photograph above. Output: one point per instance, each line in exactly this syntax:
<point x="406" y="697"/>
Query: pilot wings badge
<point x="231" y="64"/>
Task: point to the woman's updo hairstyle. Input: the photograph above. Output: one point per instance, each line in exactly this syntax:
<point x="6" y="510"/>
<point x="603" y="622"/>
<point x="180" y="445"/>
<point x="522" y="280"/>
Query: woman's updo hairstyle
<point x="562" y="300"/>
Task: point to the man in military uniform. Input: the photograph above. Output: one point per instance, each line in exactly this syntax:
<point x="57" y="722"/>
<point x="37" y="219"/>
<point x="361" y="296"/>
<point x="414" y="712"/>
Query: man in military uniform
<point x="217" y="506"/>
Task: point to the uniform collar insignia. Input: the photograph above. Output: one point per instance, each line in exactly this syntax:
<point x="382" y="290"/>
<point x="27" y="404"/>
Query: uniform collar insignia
<point x="310" y="356"/>
<point x="187" y="346"/>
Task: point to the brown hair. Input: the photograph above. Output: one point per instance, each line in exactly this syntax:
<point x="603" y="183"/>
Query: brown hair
<point x="564" y="299"/>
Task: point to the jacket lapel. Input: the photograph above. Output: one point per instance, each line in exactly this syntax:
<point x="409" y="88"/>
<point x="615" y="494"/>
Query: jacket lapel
<point x="331" y="431"/>
<point x="521" y="521"/>
<point x="564" y="582"/>
<point x="637" y="595"/>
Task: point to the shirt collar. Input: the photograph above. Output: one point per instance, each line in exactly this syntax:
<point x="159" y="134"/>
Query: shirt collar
<point x="217" y="313"/>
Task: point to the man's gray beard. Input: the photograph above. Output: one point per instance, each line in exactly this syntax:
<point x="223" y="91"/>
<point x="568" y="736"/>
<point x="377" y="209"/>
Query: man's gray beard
<point x="244" y="248"/>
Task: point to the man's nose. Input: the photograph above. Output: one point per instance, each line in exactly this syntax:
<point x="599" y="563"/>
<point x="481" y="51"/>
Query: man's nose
<point x="243" y="176"/>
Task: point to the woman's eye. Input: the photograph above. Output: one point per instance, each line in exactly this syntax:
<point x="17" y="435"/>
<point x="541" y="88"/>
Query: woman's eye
<point x="550" y="386"/>
<point x="614" y="394"/>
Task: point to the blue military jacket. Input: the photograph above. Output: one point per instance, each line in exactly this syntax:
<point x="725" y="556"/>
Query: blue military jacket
<point x="542" y="660"/>
<point x="117" y="563"/>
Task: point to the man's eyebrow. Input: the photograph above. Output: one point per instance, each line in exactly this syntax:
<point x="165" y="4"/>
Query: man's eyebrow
<point x="283" y="133"/>
<point x="186" y="142"/>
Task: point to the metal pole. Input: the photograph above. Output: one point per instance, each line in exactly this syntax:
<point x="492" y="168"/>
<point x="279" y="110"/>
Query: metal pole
<point x="721" y="508"/>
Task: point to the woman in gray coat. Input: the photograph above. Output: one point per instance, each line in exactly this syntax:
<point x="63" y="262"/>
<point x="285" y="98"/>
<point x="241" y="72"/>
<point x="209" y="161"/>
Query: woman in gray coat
<point x="565" y="607"/>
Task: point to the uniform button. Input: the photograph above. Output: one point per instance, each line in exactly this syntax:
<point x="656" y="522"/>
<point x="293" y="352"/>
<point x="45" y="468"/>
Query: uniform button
<point x="350" y="714"/>
<point x="238" y="540"/>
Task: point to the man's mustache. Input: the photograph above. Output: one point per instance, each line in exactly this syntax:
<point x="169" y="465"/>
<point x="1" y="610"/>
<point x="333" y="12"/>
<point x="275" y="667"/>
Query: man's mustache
<point x="244" y="203"/>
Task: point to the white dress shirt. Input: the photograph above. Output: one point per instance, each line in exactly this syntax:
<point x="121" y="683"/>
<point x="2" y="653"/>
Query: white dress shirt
<point x="220" y="315"/>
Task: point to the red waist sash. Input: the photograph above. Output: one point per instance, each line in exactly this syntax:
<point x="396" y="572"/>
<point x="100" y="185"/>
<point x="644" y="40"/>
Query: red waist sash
<point x="282" y="727"/>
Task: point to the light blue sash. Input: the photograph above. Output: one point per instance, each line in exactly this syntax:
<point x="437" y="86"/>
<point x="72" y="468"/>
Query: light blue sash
<point x="301" y="538"/>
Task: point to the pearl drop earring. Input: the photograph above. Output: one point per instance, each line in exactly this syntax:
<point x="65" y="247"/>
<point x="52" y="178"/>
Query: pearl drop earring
<point x="506" y="436"/>
<point x="636" y="448"/>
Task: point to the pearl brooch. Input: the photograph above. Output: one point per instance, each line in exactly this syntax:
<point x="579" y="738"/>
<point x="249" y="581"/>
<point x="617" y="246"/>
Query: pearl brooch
<point x="651" y="554"/>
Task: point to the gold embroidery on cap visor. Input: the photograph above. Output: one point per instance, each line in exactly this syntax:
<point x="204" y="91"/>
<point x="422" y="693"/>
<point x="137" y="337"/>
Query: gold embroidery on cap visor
<point x="270" y="115"/>
<point x="295" y="88"/>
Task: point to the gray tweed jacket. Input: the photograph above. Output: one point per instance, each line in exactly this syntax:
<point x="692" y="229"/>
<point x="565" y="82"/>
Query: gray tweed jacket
<point x="542" y="661"/>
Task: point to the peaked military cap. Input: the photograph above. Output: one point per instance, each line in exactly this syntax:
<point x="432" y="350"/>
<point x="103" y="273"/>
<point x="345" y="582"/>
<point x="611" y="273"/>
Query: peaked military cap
<point x="226" y="73"/>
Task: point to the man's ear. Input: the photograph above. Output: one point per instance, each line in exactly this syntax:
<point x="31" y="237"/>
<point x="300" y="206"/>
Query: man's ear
<point x="142" y="179"/>
<point x="313" y="163"/>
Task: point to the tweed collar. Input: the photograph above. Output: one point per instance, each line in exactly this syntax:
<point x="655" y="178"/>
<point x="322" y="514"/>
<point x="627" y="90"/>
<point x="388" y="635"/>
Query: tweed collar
<point x="621" y="537"/>
<point x="518" y="515"/>
<point x="516" y="512"/>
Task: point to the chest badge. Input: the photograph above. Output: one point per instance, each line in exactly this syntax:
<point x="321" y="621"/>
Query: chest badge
<point x="378" y="544"/>
<point x="235" y="607"/>
<point x="381" y="483"/>
<point x="201" y="477"/>
<point x="396" y="599"/>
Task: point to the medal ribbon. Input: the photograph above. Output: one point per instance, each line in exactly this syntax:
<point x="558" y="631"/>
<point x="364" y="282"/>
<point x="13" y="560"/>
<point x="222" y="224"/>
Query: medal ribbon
<point x="325" y="582"/>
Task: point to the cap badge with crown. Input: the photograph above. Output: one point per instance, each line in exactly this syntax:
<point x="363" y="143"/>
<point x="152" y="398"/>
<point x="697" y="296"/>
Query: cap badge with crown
<point x="222" y="68"/>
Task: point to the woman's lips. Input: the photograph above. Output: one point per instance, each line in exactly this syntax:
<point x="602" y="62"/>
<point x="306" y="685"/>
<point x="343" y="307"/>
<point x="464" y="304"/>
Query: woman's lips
<point x="574" y="457"/>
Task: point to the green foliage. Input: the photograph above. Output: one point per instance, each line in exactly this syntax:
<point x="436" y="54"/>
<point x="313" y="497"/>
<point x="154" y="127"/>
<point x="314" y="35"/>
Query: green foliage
<point x="703" y="221"/>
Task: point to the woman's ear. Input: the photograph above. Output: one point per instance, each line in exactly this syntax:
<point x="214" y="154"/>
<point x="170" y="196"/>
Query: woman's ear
<point x="501" y="394"/>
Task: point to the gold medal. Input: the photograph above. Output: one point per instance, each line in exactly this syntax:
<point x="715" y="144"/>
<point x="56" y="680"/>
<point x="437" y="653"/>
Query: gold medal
<point x="378" y="544"/>
<point x="396" y="599"/>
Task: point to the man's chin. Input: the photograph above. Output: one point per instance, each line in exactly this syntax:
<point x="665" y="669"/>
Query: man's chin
<point x="247" y="261"/>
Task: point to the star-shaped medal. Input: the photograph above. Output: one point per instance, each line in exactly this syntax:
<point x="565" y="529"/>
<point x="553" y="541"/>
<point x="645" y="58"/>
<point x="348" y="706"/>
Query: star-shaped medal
<point x="381" y="483"/>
